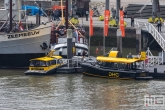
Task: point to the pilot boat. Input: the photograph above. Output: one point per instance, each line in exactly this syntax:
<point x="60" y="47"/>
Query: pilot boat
<point x="113" y="67"/>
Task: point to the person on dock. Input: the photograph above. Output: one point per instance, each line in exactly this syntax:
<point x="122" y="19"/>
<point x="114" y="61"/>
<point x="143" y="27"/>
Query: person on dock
<point x="129" y="56"/>
<point x="159" y="25"/>
<point x="56" y="14"/>
<point x="97" y="50"/>
<point x="125" y="12"/>
<point x="132" y="20"/>
<point x="139" y="55"/>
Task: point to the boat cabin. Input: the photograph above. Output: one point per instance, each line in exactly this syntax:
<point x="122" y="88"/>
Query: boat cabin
<point x="45" y="63"/>
<point x="120" y="63"/>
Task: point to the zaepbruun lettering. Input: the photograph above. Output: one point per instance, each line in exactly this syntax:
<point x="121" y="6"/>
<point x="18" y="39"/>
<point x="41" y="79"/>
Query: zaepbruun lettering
<point x="23" y="34"/>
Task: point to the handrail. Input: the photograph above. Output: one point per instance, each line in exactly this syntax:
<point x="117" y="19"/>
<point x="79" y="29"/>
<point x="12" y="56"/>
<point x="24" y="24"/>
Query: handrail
<point x="153" y="31"/>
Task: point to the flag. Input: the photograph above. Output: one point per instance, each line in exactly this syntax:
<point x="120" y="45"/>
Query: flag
<point x="91" y="23"/>
<point x="122" y="23"/>
<point x="106" y="19"/>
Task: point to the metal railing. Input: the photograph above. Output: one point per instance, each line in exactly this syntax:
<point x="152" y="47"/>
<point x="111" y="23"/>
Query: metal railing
<point x="72" y="63"/>
<point x="153" y="31"/>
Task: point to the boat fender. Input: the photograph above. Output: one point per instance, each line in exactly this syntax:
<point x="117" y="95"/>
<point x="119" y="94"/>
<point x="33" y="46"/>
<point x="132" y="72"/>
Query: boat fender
<point x="44" y="46"/>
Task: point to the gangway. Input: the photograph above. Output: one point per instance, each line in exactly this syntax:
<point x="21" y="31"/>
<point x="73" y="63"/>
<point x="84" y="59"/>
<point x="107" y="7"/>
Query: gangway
<point x="159" y="37"/>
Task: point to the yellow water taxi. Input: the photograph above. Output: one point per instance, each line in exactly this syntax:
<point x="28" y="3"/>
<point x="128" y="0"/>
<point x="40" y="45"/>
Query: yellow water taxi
<point x="45" y="65"/>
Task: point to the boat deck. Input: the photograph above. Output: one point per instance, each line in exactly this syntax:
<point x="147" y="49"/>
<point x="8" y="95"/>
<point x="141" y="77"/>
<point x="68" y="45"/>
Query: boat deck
<point x="160" y="68"/>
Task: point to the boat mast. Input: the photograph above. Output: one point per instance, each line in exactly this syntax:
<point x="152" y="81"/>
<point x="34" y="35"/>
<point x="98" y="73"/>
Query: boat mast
<point x="10" y="15"/>
<point x="66" y="14"/>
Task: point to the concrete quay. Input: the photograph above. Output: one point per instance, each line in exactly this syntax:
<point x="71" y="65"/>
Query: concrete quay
<point x="83" y="22"/>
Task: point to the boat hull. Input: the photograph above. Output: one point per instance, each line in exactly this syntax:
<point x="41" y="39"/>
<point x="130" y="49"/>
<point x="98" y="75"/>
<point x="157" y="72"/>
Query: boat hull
<point x="96" y="70"/>
<point x="41" y="72"/>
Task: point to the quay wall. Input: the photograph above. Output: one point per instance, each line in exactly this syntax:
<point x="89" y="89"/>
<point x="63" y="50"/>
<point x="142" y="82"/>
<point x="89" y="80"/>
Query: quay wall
<point x="128" y="41"/>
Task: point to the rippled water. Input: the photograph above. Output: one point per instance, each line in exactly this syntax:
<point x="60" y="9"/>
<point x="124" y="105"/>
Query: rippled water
<point x="74" y="92"/>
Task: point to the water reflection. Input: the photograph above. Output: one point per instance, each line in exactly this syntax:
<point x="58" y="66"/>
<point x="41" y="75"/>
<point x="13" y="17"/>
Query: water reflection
<point x="74" y="91"/>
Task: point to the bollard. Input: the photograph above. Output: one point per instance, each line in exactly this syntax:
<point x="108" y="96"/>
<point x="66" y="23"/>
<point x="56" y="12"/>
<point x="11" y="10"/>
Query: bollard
<point x="155" y="70"/>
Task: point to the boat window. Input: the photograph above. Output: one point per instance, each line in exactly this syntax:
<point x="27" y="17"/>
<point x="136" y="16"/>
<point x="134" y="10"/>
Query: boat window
<point x="37" y="63"/>
<point x="107" y="65"/>
<point x="122" y="65"/>
<point x="115" y="65"/>
<point x="53" y="62"/>
<point x="42" y="63"/>
<point x="60" y="61"/>
<point x="48" y="63"/>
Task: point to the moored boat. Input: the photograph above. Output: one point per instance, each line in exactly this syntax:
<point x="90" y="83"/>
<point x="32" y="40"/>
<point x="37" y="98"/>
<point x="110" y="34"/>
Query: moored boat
<point x="19" y="43"/>
<point x="113" y="67"/>
<point x="45" y="65"/>
<point x="16" y="49"/>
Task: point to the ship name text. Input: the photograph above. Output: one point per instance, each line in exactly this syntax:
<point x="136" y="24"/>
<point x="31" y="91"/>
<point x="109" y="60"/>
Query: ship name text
<point x="23" y="34"/>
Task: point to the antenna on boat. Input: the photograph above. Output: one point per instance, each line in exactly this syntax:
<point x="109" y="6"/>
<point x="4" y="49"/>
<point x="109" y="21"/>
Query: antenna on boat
<point x="10" y="15"/>
<point x="66" y="18"/>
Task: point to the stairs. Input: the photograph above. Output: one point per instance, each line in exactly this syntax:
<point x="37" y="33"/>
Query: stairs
<point x="159" y="37"/>
<point x="146" y="12"/>
<point x="1" y="4"/>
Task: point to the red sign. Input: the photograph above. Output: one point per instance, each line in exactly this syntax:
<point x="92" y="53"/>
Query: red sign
<point x="106" y="19"/>
<point x="58" y="7"/>
<point x="91" y="23"/>
<point x="122" y="28"/>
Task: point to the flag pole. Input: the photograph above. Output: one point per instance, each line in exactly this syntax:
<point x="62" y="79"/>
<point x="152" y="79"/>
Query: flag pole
<point x="103" y="44"/>
<point x="89" y="45"/>
<point x="106" y="18"/>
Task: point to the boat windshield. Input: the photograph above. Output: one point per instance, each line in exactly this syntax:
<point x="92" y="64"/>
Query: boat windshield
<point x="112" y="65"/>
<point x="107" y="64"/>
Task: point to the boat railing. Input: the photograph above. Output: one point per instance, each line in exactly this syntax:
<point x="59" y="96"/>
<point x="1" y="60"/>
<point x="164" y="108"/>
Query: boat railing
<point x="153" y="60"/>
<point x="62" y="40"/>
<point x="73" y="63"/>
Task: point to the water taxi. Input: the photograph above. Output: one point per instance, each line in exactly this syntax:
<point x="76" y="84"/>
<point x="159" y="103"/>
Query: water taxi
<point x="45" y="65"/>
<point x="113" y="67"/>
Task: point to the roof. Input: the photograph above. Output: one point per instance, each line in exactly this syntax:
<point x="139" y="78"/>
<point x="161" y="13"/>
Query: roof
<point x="47" y="58"/>
<point x="57" y="57"/>
<point x="117" y="60"/>
<point x="43" y="59"/>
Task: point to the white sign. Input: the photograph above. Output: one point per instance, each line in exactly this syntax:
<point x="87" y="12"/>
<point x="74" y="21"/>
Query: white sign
<point x="119" y="32"/>
<point x="154" y="100"/>
<point x="138" y="31"/>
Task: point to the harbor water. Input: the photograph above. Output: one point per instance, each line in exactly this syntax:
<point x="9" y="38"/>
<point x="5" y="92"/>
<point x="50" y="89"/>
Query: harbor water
<point x="75" y="91"/>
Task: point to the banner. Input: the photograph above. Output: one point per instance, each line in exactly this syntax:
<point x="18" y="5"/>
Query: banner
<point x="122" y="28"/>
<point x="106" y="19"/>
<point x="91" y="23"/>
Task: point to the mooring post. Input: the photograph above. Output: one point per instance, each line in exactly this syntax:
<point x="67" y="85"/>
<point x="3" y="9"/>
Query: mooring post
<point x="138" y="40"/>
<point x="117" y="11"/>
<point x="69" y="47"/>
<point x="69" y="43"/>
<point x="73" y="46"/>
<point x="119" y="42"/>
<point x="37" y="19"/>
<point x="154" y="9"/>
